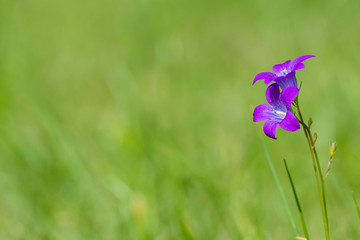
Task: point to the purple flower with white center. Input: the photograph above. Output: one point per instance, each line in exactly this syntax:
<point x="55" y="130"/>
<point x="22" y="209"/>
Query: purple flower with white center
<point x="277" y="112"/>
<point x="283" y="74"/>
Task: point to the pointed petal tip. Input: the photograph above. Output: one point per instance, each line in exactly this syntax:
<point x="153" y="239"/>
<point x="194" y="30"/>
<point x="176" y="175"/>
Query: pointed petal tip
<point x="297" y="62"/>
<point x="266" y="76"/>
<point x="272" y="137"/>
<point x="304" y="57"/>
<point x="270" y="128"/>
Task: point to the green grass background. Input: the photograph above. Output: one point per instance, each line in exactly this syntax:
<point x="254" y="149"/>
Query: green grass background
<point x="132" y="119"/>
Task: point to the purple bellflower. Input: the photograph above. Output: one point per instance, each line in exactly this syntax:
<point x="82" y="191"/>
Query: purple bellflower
<point x="283" y="74"/>
<point x="278" y="111"/>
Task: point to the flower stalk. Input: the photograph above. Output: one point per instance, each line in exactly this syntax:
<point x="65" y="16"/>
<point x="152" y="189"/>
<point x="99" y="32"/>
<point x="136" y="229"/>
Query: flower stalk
<point x="317" y="168"/>
<point x="280" y="113"/>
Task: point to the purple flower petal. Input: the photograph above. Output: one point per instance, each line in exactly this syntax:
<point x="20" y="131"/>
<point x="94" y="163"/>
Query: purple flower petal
<point x="290" y="123"/>
<point x="288" y="95"/>
<point x="288" y="81"/>
<point x="270" y="128"/>
<point x="272" y="94"/>
<point x="267" y="76"/>
<point x="296" y="64"/>
<point x="298" y="67"/>
<point x="263" y="112"/>
<point x="282" y="69"/>
<point x="267" y="81"/>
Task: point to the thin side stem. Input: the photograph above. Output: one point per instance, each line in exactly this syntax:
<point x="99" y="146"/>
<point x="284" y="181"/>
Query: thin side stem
<point x="297" y="203"/>
<point x="356" y="205"/>
<point x="280" y="190"/>
<point x="321" y="178"/>
<point x="317" y="170"/>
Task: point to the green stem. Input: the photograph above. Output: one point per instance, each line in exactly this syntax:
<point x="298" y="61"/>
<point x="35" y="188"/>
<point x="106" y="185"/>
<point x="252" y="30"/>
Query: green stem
<point x="297" y="203"/>
<point x="278" y="185"/>
<point x="321" y="178"/>
<point x="356" y="205"/>
<point x="317" y="170"/>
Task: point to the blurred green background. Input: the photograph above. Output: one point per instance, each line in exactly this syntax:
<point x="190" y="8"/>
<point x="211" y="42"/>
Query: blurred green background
<point x="132" y="119"/>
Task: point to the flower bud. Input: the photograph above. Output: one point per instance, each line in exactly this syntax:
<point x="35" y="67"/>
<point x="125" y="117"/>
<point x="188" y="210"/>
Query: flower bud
<point x="332" y="149"/>
<point x="314" y="138"/>
<point x="309" y="122"/>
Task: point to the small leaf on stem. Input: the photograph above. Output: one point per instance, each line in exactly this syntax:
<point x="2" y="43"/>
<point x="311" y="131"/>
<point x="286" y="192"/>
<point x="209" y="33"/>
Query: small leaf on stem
<point x="310" y="122"/>
<point x="314" y="138"/>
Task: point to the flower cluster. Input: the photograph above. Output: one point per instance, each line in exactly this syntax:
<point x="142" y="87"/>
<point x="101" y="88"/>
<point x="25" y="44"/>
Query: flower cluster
<point x="278" y="112"/>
